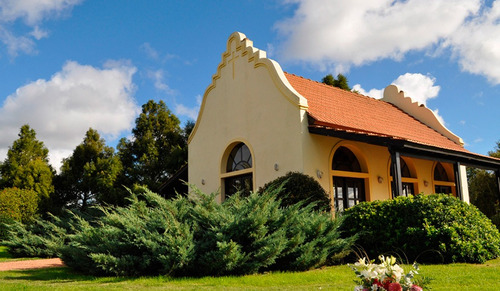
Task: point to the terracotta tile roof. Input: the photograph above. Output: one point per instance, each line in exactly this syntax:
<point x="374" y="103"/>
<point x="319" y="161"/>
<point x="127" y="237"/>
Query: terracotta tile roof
<point x="351" y="112"/>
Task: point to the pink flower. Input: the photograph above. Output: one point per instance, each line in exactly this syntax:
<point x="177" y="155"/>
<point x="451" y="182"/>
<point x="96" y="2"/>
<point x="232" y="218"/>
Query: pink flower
<point x="416" y="288"/>
<point x="395" y="287"/>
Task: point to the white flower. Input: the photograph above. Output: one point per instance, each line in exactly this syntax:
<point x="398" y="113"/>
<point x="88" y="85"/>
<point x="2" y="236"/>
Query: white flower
<point x="370" y="274"/>
<point x="397" y="272"/>
<point x="360" y="263"/>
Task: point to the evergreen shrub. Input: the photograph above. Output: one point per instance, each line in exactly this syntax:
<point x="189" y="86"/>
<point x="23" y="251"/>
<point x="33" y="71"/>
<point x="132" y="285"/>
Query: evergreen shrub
<point x="246" y="235"/>
<point x="193" y="236"/>
<point x="433" y="228"/>
<point x="151" y="236"/>
<point x="43" y="238"/>
<point x="299" y="188"/>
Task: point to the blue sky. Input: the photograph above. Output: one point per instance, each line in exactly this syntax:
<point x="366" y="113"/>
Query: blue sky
<point x="67" y="65"/>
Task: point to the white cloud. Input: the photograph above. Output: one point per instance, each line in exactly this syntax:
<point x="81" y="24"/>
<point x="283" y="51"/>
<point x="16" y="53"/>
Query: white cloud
<point x="39" y="33"/>
<point x="158" y="78"/>
<point x="153" y="54"/>
<point x="375" y="93"/>
<point x="16" y="44"/>
<point x="343" y="33"/>
<point x="150" y="51"/>
<point x="63" y="108"/>
<point x="335" y="35"/>
<point x="417" y="86"/>
<point x="476" y="44"/>
<point x="190" y="112"/>
<point x="32" y="13"/>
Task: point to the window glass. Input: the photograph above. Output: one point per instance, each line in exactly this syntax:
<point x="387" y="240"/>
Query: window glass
<point x="345" y="160"/>
<point x="440" y="173"/>
<point x="405" y="170"/>
<point x="240" y="158"/>
<point x="347" y="192"/>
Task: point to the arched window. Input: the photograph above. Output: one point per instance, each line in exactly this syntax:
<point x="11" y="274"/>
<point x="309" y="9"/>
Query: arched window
<point x="345" y="160"/>
<point x="440" y="173"/>
<point x="238" y="175"/>
<point x="442" y="181"/>
<point x="348" y="179"/>
<point x="408" y="179"/>
<point x="240" y="158"/>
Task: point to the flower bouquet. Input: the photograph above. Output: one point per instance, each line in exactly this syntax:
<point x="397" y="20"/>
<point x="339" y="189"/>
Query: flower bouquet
<point x="384" y="276"/>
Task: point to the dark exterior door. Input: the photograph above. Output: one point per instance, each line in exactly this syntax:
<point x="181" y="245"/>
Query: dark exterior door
<point x="348" y="192"/>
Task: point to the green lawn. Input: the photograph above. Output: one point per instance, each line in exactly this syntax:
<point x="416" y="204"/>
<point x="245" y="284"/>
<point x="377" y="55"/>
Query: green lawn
<point x="445" y="277"/>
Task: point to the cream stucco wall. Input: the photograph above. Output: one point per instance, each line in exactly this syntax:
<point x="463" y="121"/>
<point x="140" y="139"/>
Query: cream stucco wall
<point x="248" y="101"/>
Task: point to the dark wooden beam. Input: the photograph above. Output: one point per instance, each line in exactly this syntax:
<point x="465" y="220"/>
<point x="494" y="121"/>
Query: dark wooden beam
<point x="397" y="189"/>
<point x="498" y="182"/>
<point x="458" y="180"/>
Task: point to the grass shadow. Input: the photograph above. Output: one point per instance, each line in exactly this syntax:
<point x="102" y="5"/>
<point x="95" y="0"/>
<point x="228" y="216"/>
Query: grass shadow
<point x="4" y="254"/>
<point x="60" y="274"/>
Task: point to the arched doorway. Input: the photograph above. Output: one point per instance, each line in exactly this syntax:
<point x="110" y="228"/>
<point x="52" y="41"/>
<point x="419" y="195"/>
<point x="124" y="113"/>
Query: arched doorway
<point x="348" y="179"/>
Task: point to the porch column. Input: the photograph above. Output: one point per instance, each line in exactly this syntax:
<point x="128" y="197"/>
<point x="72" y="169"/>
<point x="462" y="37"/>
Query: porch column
<point x="458" y="180"/>
<point x="397" y="188"/>
<point x="498" y="182"/>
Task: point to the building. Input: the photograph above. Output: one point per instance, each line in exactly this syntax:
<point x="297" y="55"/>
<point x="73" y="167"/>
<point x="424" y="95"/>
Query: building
<point x="257" y="123"/>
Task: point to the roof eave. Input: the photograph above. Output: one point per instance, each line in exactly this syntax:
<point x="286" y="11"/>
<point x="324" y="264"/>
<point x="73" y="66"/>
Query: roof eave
<point x="409" y="148"/>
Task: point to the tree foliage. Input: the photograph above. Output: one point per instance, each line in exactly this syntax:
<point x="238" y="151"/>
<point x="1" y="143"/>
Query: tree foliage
<point x="27" y="165"/>
<point x="341" y="81"/>
<point x="483" y="189"/>
<point x="496" y="151"/>
<point x="88" y="176"/>
<point x="18" y="204"/>
<point x="158" y="147"/>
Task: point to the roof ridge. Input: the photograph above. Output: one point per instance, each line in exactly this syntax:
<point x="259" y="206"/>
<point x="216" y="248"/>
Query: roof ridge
<point x="411" y="116"/>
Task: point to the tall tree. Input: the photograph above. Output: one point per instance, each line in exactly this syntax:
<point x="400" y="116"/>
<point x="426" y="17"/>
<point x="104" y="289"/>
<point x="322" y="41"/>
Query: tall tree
<point x="483" y="189"/>
<point x="88" y="176"/>
<point x="157" y="149"/>
<point x="27" y="165"/>
<point x="341" y="81"/>
<point x="496" y="151"/>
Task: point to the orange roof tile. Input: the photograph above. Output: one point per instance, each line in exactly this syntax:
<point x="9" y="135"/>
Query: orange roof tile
<point x="352" y="112"/>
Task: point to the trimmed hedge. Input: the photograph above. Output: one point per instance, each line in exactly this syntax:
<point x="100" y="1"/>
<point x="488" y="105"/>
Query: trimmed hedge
<point x="299" y="188"/>
<point x="433" y="228"/>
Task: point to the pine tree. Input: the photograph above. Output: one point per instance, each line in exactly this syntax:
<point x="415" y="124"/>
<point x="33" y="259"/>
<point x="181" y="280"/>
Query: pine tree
<point x="27" y="165"/>
<point x="483" y="189"/>
<point x="89" y="174"/>
<point x="341" y="81"/>
<point x="156" y="151"/>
